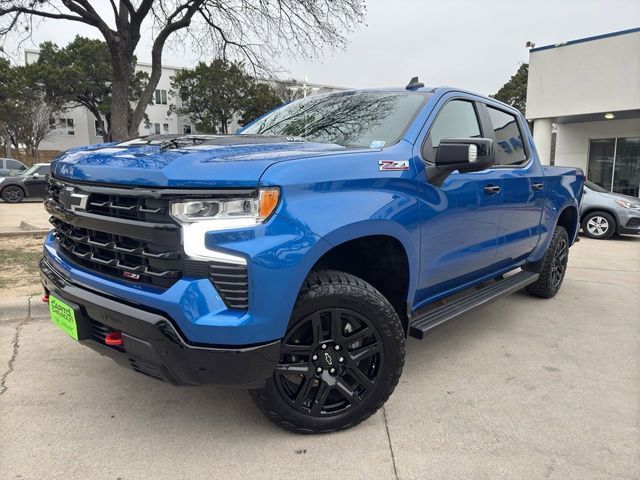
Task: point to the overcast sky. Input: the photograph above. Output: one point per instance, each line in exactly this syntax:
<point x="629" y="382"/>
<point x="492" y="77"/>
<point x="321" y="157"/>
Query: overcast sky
<point x="474" y="44"/>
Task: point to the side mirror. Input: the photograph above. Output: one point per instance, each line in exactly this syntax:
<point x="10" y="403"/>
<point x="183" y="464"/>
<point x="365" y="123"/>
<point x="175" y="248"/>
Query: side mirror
<point x="36" y="175"/>
<point x="462" y="154"/>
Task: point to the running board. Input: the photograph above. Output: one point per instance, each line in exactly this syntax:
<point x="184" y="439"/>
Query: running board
<point x="435" y="317"/>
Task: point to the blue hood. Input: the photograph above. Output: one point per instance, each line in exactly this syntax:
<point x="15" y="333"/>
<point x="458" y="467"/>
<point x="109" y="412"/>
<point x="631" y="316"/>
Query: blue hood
<point x="208" y="165"/>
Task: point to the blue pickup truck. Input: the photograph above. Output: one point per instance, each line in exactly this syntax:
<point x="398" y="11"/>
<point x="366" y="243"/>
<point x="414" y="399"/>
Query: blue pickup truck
<point x="294" y="258"/>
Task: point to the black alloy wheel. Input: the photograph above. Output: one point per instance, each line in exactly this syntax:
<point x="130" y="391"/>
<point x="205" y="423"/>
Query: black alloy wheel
<point x="560" y="261"/>
<point x="329" y="362"/>
<point x="12" y="194"/>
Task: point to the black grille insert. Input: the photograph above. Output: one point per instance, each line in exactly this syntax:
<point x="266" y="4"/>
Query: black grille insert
<point x="232" y="282"/>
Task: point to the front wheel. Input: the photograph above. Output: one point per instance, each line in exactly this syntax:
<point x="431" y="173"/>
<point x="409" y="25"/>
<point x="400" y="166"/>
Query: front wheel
<point x="553" y="268"/>
<point x="340" y="360"/>
<point x="599" y="225"/>
<point x="12" y="194"/>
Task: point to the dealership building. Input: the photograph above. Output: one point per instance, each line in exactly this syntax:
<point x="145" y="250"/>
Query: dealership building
<point x="583" y="98"/>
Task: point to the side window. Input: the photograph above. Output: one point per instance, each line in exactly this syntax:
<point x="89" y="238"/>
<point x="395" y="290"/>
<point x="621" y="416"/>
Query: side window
<point x="457" y="119"/>
<point x="15" y="166"/>
<point x="510" y="148"/>
<point x="44" y="170"/>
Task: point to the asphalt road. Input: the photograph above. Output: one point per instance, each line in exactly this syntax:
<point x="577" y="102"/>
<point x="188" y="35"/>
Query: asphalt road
<point x="520" y="389"/>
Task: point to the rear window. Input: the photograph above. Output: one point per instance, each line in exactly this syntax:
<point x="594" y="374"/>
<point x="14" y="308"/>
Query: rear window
<point x="510" y="149"/>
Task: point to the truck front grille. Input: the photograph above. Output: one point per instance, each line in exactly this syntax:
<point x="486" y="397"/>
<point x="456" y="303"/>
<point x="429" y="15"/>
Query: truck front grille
<point x="128" y="234"/>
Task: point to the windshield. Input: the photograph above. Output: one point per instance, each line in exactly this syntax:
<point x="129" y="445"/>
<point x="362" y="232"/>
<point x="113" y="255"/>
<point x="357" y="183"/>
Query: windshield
<point x="595" y="187"/>
<point x="29" y="171"/>
<point x="351" y="119"/>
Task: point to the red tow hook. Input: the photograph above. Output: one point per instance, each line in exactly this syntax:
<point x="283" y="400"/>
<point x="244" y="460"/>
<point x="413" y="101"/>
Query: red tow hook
<point x="113" y="338"/>
<point x="45" y="298"/>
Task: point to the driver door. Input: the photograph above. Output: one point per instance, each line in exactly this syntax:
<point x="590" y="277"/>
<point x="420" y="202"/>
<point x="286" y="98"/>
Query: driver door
<point x="460" y="218"/>
<point x="36" y="184"/>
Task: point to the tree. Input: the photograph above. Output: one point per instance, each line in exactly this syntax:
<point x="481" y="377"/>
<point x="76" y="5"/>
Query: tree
<point x="80" y="74"/>
<point x="25" y="114"/>
<point x="259" y="99"/>
<point x="253" y="30"/>
<point x="514" y="92"/>
<point x="211" y="94"/>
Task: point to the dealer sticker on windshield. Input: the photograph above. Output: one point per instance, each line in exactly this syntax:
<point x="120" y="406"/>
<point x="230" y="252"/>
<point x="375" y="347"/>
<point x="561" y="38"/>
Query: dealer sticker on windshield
<point x="63" y="317"/>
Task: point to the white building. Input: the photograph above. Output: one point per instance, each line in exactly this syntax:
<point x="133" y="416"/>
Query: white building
<point x="77" y="126"/>
<point x="587" y="92"/>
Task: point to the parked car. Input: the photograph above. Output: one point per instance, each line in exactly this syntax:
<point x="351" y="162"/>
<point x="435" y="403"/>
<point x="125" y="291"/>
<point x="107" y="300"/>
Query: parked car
<point x="603" y="213"/>
<point x="31" y="183"/>
<point x="10" y="167"/>
<point x="295" y="257"/>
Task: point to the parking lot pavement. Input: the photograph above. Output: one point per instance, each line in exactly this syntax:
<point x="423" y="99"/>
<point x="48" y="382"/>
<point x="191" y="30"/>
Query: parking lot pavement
<point x="31" y="212"/>
<point x="520" y="389"/>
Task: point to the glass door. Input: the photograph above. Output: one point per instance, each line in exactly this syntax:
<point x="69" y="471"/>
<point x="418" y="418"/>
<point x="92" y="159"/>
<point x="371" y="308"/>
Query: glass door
<point x="626" y="172"/>
<point x="614" y="164"/>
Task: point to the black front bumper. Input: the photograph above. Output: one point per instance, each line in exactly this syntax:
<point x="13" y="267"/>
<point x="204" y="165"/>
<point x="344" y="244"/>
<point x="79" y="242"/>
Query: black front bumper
<point x="152" y="345"/>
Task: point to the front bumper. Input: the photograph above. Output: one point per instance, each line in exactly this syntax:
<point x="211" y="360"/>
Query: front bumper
<point x="152" y="344"/>
<point x="628" y="221"/>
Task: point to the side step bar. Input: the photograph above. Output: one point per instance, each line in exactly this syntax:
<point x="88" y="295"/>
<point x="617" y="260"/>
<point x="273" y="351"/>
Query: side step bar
<point x="422" y="323"/>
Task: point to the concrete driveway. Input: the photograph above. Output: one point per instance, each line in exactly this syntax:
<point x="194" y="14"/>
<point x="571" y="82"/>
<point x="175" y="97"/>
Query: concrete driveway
<point x="30" y="212"/>
<point x="520" y="389"/>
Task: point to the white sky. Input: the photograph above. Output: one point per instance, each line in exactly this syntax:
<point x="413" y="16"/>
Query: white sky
<point x="473" y="44"/>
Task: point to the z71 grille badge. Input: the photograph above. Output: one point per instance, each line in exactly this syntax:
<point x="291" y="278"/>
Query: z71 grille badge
<point x="389" y="165"/>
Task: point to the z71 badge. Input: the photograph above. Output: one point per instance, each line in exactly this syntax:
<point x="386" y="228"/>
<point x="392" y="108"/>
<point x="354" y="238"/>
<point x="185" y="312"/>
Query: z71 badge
<point x="386" y="165"/>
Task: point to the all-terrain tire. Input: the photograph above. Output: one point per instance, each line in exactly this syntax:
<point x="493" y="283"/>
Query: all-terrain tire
<point x="553" y="266"/>
<point x="327" y="295"/>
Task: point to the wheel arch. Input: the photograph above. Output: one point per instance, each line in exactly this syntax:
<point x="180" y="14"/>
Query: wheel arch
<point x="568" y="219"/>
<point x="379" y="256"/>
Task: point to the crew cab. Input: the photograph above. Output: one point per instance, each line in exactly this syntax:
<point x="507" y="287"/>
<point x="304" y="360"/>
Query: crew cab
<point x="294" y="258"/>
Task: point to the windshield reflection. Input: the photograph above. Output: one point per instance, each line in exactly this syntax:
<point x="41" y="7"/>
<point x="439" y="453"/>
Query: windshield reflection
<point x="352" y="119"/>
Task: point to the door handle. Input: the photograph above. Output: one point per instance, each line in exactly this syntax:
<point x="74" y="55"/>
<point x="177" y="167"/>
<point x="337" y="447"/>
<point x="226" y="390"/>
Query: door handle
<point x="537" y="186"/>
<point x="491" y="189"/>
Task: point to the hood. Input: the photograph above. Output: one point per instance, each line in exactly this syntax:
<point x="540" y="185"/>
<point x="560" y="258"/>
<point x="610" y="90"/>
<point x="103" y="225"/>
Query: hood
<point x="616" y="196"/>
<point x="188" y="162"/>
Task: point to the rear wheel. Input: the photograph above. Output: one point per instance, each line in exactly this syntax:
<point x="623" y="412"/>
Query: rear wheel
<point x="12" y="194"/>
<point x="599" y="225"/>
<point x="340" y="359"/>
<point x="554" y="266"/>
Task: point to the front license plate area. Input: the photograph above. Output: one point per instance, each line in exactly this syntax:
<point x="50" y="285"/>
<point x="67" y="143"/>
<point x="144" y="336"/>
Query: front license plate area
<point x="63" y="316"/>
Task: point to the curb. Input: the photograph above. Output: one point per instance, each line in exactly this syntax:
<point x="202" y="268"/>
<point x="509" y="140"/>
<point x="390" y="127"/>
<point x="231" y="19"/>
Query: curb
<point x="30" y="227"/>
<point x="25" y="233"/>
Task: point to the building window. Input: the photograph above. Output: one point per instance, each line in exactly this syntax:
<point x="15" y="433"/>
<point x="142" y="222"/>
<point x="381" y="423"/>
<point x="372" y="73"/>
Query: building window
<point x="165" y="127"/>
<point x="510" y="150"/>
<point x="186" y="129"/>
<point x="154" y="128"/>
<point x="614" y="164"/>
<point x="99" y="132"/>
<point x="66" y="126"/>
<point x="161" y="97"/>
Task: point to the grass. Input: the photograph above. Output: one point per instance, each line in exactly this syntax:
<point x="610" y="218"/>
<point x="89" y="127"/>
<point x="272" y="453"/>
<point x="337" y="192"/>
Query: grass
<point x="19" y="266"/>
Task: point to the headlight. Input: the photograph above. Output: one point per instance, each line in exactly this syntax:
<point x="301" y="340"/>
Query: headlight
<point x="227" y="213"/>
<point x="625" y="204"/>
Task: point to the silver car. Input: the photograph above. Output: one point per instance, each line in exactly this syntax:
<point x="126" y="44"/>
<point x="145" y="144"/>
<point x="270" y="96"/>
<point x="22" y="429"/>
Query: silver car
<point x="603" y="213"/>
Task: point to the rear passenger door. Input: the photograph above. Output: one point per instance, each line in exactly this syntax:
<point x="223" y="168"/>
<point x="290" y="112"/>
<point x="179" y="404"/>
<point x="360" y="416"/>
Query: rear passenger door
<point x="522" y="182"/>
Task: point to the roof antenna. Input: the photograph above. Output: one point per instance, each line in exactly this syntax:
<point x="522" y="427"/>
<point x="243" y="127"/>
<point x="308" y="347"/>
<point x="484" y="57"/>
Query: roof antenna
<point x="414" y="84"/>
